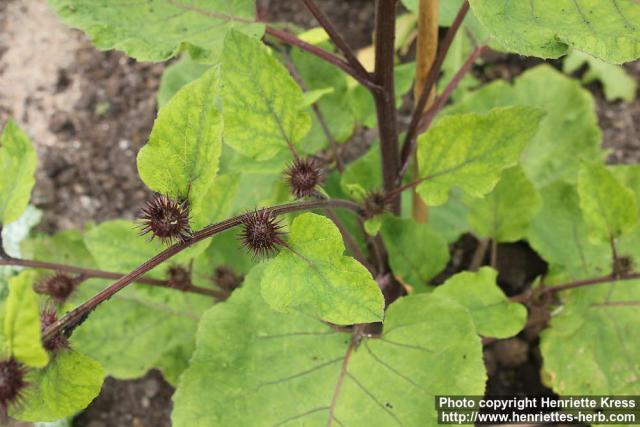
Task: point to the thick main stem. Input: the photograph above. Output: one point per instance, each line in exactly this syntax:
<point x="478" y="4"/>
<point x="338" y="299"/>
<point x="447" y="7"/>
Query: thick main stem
<point x="72" y="318"/>
<point x="385" y="99"/>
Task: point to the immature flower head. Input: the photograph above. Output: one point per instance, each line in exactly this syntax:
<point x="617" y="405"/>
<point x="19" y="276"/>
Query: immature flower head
<point x="166" y="219"/>
<point x="261" y="233"/>
<point x="47" y="318"/>
<point x="226" y="280"/>
<point x="375" y="203"/>
<point x="179" y="277"/>
<point x="12" y="382"/>
<point x="58" y="286"/>
<point x="303" y="175"/>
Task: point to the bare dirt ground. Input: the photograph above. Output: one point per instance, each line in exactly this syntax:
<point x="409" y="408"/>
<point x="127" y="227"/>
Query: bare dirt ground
<point x="89" y="112"/>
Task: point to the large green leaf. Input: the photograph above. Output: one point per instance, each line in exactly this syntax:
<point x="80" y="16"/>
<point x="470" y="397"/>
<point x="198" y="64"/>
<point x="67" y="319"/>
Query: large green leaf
<point x="416" y="251"/>
<point x="616" y="83"/>
<point x="504" y="214"/>
<point x="144" y="327"/>
<point x="313" y="276"/>
<point x="559" y="234"/>
<point x="590" y="332"/>
<point x="262" y="103"/>
<point x="21" y="329"/>
<point x="181" y="157"/>
<point x="469" y="151"/>
<point x="117" y="246"/>
<point x="65" y="247"/>
<point x="492" y="313"/>
<point x="256" y="367"/>
<point x="568" y="132"/>
<point x="609" y="208"/>
<point x="606" y="29"/>
<point x="177" y="75"/>
<point x="317" y="74"/>
<point x="65" y="386"/>
<point x="589" y="347"/>
<point x="156" y="30"/>
<point x="18" y="164"/>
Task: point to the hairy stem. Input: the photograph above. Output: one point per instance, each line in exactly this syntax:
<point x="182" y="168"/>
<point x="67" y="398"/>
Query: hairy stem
<point x="589" y="282"/>
<point x="432" y="78"/>
<point x="72" y="318"/>
<point x="440" y="102"/>
<point x="385" y="100"/>
<point x="336" y="37"/>
<point x="100" y="274"/>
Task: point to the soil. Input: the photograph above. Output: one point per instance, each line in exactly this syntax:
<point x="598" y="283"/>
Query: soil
<point x="89" y="112"/>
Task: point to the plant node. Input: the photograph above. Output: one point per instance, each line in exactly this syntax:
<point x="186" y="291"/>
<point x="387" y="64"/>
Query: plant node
<point x="622" y="265"/>
<point x="166" y="219"/>
<point x="261" y="233"/>
<point x="58" y="286"/>
<point x="12" y="382"/>
<point x="179" y="277"/>
<point x="303" y="175"/>
<point x="226" y="280"/>
<point x="47" y="318"/>
<point x="375" y="203"/>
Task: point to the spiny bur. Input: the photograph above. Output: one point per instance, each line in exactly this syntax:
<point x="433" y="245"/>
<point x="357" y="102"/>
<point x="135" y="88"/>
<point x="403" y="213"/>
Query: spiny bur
<point x="12" y="382"/>
<point x="166" y="219"/>
<point x="261" y="233"/>
<point x="58" y="286"/>
<point x="303" y="175"/>
<point x="226" y="280"/>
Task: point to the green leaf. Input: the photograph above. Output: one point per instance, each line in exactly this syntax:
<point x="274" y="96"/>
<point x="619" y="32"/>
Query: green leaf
<point x="450" y="219"/>
<point x="589" y="337"/>
<point x="504" y="214"/>
<point x="559" y="234"/>
<point x="311" y="97"/>
<point x="262" y="102"/>
<point x="567" y="133"/>
<point x="372" y="225"/>
<point x="18" y="163"/>
<point x="156" y="30"/>
<point x="117" y="246"/>
<point x="177" y="75"/>
<point x="363" y="175"/>
<point x="218" y="199"/>
<point x="246" y="354"/>
<point x="617" y="84"/>
<point x="22" y="322"/>
<point x="65" y="386"/>
<point x="334" y="107"/>
<point x="470" y="150"/>
<point x="181" y="157"/>
<point x="65" y="247"/>
<point x="314" y="277"/>
<point x="145" y="327"/>
<point x="416" y="251"/>
<point x="606" y="29"/>
<point x="609" y="208"/>
<point x="492" y="312"/>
